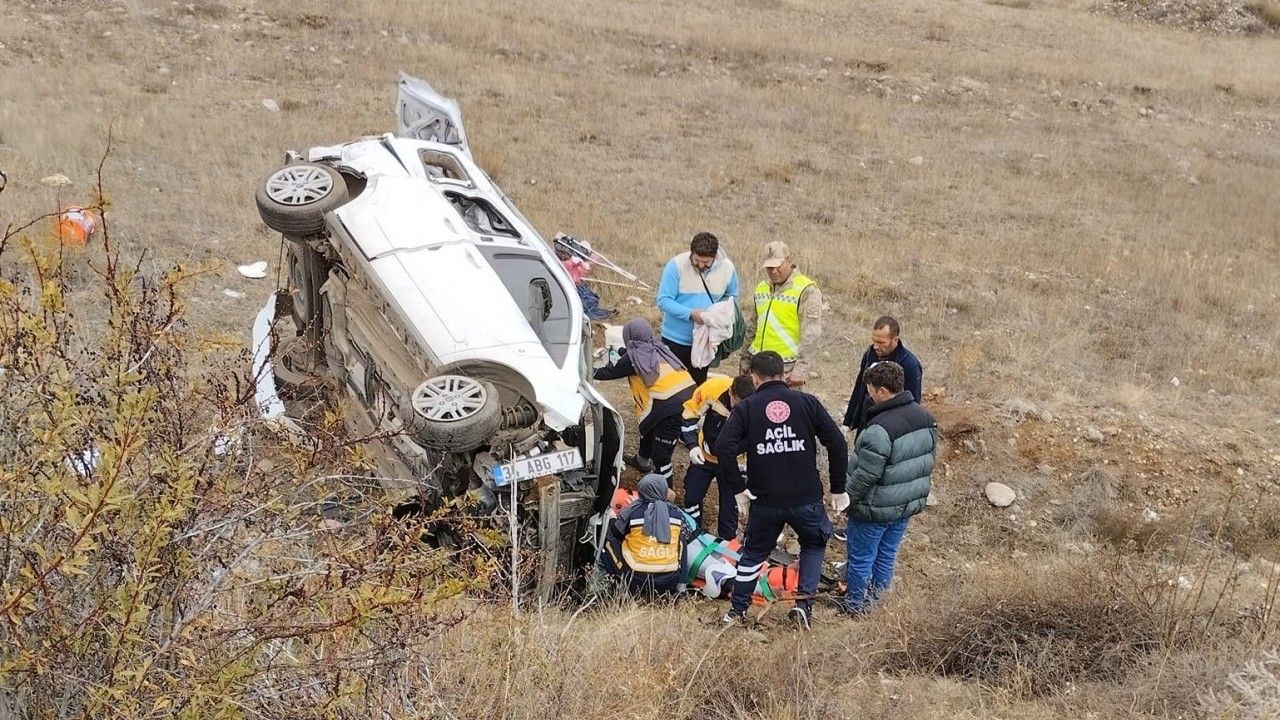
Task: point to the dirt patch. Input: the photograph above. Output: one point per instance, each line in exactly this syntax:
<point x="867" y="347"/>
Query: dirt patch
<point x="1222" y="17"/>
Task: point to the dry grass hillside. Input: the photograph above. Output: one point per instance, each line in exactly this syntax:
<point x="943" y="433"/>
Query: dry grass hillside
<point x="1072" y="213"/>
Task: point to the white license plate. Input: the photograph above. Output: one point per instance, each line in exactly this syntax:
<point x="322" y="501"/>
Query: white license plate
<point x="523" y="468"/>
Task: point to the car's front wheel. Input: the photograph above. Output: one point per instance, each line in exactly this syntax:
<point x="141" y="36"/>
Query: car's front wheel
<point x="455" y="413"/>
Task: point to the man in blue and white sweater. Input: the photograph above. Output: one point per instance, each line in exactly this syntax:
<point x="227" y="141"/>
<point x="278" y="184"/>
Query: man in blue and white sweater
<point x="692" y="282"/>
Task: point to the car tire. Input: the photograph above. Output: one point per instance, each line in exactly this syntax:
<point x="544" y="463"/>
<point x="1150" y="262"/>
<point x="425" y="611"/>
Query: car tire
<point x="293" y="199"/>
<point x="306" y="271"/>
<point x="454" y="413"/>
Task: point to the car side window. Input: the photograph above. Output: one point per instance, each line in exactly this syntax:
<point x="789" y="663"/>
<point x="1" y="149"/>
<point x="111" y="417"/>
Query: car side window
<point x="539" y="298"/>
<point x="480" y="216"/>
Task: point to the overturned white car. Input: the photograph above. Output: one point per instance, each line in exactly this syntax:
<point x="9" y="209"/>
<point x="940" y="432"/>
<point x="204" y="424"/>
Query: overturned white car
<point x="422" y="301"/>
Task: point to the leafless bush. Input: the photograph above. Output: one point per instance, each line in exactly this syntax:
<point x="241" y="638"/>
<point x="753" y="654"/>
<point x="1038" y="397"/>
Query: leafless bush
<point x="1037" y="640"/>
<point x="160" y="554"/>
<point x="1252" y="693"/>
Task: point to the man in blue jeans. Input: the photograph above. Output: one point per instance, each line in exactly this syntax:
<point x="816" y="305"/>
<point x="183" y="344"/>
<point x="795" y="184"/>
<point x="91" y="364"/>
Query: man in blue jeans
<point x="778" y="428"/>
<point x="888" y="482"/>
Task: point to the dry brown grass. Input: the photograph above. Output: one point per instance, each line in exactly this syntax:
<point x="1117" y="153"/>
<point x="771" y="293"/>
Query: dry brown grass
<point x="639" y="130"/>
<point x="1267" y="11"/>
<point x="1094" y="215"/>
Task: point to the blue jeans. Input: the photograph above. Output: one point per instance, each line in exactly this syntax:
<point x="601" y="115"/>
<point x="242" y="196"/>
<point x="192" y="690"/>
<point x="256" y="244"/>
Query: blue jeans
<point x="873" y="548"/>
<point x="812" y="528"/>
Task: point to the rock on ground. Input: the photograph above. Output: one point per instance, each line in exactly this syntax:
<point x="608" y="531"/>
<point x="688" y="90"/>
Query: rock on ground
<point x="999" y="494"/>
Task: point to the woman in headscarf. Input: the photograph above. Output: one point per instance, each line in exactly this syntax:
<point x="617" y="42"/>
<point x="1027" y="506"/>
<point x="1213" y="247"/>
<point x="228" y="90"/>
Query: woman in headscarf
<point x="660" y="385"/>
<point x="646" y="542"/>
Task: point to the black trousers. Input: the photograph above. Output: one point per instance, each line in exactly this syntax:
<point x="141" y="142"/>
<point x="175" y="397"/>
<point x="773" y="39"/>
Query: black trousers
<point x="697" y="481"/>
<point x="764" y="522"/>
<point x="685" y="353"/>
<point x="659" y="444"/>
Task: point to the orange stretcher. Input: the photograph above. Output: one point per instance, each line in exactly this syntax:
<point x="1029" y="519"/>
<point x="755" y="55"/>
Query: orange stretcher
<point x="711" y="557"/>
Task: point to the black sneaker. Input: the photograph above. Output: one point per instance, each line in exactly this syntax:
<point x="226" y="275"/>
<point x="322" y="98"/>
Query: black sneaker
<point x="642" y="464"/>
<point x="733" y="617"/>
<point x="800" y="617"/>
<point x="840" y="535"/>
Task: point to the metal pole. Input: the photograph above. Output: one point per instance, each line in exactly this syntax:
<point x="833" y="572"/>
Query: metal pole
<point x="515" y="544"/>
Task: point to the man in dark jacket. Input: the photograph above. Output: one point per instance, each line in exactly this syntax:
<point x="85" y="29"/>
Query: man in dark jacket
<point x="885" y="345"/>
<point x="778" y="427"/>
<point x="888" y="482"/>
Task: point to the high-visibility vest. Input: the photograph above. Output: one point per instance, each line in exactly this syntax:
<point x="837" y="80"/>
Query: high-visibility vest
<point x="778" y="318"/>
<point x="670" y="383"/>
<point x="706" y="399"/>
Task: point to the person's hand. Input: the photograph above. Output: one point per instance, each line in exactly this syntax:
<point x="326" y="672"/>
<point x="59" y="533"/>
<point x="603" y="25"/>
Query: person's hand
<point x="743" y="500"/>
<point x="696" y="456"/>
<point x="696" y="316"/>
<point x="840" y="502"/>
<point x="798" y="376"/>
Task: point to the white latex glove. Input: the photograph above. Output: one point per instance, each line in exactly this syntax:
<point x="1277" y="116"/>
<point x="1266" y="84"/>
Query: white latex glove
<point x="743" y="499"/>
<point x="696" y="456"/>
<point x="840" y="502"/>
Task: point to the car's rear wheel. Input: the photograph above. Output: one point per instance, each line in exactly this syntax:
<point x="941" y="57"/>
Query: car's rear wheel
<point x="455" y="412"/>
<point x="293" y="199"/>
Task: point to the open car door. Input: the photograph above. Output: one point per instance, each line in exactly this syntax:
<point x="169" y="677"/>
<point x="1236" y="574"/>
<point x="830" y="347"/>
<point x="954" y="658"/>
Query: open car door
<point x="424" y="114"/>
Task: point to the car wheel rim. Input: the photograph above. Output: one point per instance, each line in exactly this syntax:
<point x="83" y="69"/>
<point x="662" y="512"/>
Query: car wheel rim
<point x="299" y="185"/>
<point x="449" y="398"/>
<point x="297" y="277"/>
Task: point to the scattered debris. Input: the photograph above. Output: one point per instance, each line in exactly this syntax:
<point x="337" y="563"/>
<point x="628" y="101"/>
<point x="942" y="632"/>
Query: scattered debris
<point x="224" y="443"/>
<point x="84" y="463"/>
<point x="1150" y="515"/>
<point x="1175" y="381"/>
<point x="999" y="494"/>
<point x="254" y="271"/>
<point x="271" y="105"/>
<point x="917" y="160"/>
<point x="233" y="294"/>
<point x="75" y="227"/>
<point x="58" y="180"/>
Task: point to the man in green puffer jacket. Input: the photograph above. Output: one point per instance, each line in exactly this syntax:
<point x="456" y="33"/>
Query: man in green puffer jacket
<point x="888" y="482"/>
